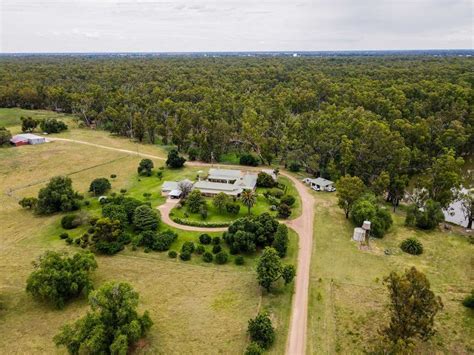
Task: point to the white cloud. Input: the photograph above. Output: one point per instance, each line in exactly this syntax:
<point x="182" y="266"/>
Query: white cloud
<point x="232" y="25"/>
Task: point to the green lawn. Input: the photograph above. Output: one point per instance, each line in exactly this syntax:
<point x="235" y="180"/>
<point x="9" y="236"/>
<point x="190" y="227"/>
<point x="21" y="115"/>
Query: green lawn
<point x="347" y="298"/>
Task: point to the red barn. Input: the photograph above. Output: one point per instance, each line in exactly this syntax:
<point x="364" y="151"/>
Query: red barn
<point x="19" y="140"/>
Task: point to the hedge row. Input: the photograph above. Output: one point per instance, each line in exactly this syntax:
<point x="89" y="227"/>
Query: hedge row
<point x="200" y="224"/>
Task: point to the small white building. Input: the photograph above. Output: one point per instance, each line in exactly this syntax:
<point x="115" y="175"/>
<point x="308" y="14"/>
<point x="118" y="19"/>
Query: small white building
<point x="320" y="184"/>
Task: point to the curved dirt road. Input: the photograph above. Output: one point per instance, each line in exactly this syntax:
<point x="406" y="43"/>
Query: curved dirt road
<point x="303" y="225"/>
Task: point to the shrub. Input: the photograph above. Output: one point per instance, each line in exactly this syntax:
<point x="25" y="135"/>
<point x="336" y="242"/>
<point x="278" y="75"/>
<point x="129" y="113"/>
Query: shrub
<point x="70" y="221"/>
<point x="232" y="208"/>
<point x="469" y="300"/>
<point x="5" y="136"/>
<point x="216" y="240"/>
<point x="216" y="249"/>
<point x="248" y="160"/>
<point x="280" y="243"/>
<point x="239" y="260"/>
<point x="69" y="240"/>
<point x="113" y="176"/>
<point x="276" y="192"/>
<point x="145" y="218"/>
<point x="58" y="277"/>
<point x="222" y="257"/>
<point x="207" y="257"/>
<point x="265" y="180"/>
<point x="200" y="250"/>
<point x="284" y="211"/>
<point x="145" y="167"/>
<point x="254" y="349"/>
<point x="366" y="209"/>
<point x="107" y="237"/>
<point x="115" y="213"/>
<point x="412" y="246"/>
<point x="123" y="191"/>
<point x="187" y="222"/>
<point x="203" y="211"/>
<point x="188" y="247"/>
<point x="261" y="330"/>
<point x="426" y="218"/>
<point x="294" y="167"/>
<point x="175" y="161"/>
<point x="205" y="239"/>
<point x="99" y="186"/>
<point x="52" y="125"/>
<point x="87" y="203"/>
<point x="193" y="153"/>
<point x="28" y="124"/>
<point x="185" y="256"/>
<point x="288" y="200"/>
<point x="157" y="241"/>
<point x="172" y="254"/>
<point x="64" y="236"/>
<point x="28" y="202"/>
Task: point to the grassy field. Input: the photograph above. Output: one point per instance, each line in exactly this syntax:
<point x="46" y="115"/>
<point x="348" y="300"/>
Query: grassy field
<point x="196" y="307"/>
<point x="347" y="297"/>
<point x="10" y="117"/>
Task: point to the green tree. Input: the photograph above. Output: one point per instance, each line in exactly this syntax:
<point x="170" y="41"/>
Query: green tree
<point x="254" y="349"/>
<point x="107" y="237"/>
<point x="444" y="178"/>
<point x="269" y="268"/>
<point x="413" y="307"/>
<point x="261" y="330"/>
<point x="429" y="216"/>
<point x="57" y="196"/>
<point x="467" y="205"/>
<point x="28" y="202"/>
<point x="99" y="186"/>
<point x="145" y="218"/>
<point x="265" y="180"/>
<point x="52" y="125"/>
<point x="349" y="190"/>
<point x="194" y="201"/>
<point x="220" y="201"/>
<point x="115" y="213"/>
<point x="284" y="211"/>
<point x="111" y="327"/>
<point x="281" y="240"/>
<point x="5" y="136"/>
<point x="248" y="198"/>
<point x="28" y="124"/>
<point x="59" y="277"/>
<point x="174" y="160"/>
<point x="145" y="167"/>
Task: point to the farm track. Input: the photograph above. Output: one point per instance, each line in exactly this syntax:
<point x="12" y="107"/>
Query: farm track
<point x="303" y="225"/>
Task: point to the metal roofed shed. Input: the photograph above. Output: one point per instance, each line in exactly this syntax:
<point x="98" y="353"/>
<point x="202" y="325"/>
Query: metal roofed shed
<point x="27" y="138"/>
<point x="320" y="184"/>
<point x="175" y="194"/>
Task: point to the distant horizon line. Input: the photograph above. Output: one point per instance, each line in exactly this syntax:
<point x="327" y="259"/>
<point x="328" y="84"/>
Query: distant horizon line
<point x="287" y="52"/>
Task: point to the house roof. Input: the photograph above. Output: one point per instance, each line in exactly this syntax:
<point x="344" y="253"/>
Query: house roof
<point x="224" y="174"/>
<point x="215" y="186"/>
<point x="169" y="186"/>
<point x="321" y="181"/>
<point x="248" y="181"/>
<point x="173" y="185"/>
<point x="175" y="193"/>
<point x="17" y="139"/>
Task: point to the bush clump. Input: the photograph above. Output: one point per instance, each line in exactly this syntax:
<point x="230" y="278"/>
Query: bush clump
<point x="64" y="235"/>
<point x="207" y="257"/>
<point x="100" y="186"/>
<point x="188" y="247"/>
<point x="239" y="260"/>
<point x="222" y="257"/>
<point x="185" y="256"/>
<point x="261" y="330"/>
<point x="412" y="246"/>
<point x="248" y="160"/>
<point x="469" y="300"/>
<point x="70" y="221"/>
<point x="216" y="249"/>
<point x="205" y="239"/>
<point x="172" y="254"/>
<point x="200" y="250"/>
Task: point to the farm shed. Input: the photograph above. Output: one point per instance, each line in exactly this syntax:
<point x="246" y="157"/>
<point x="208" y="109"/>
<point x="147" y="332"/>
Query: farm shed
<point x="27" y="138"/>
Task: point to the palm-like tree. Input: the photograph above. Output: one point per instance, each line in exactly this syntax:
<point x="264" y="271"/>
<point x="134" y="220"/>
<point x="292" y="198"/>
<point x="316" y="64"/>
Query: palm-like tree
<point x="248" y="198"/>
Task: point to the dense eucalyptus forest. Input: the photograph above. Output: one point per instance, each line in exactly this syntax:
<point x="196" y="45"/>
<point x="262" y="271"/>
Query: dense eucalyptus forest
<point x="372" y="117"/>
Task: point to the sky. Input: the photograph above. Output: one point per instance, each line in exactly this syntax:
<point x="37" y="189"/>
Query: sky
<point x="233" y="25"/>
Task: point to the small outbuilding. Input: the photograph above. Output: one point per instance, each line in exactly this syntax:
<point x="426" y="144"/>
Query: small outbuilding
<point x="320" y="184"/>
<point x="27" y="138"/>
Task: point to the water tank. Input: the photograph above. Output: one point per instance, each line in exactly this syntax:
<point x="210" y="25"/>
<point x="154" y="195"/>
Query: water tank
<point x="366" y="225"/>
<point x="359" y="234"/>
